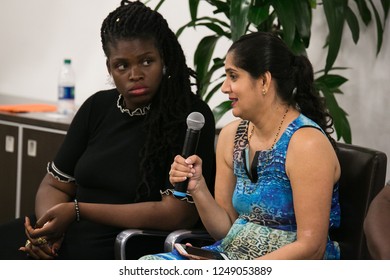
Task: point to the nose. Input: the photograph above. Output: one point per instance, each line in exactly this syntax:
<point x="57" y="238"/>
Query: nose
<point x="225" y="87"/>
<point x="135" y="74"/>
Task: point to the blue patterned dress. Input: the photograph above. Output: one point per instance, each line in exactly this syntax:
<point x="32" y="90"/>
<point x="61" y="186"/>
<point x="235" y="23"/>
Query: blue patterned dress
<point x="264" y="201"/>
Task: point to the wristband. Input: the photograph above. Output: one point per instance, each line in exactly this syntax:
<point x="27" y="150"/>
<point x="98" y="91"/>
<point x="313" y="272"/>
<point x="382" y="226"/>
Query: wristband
<point x="76" y="207"/>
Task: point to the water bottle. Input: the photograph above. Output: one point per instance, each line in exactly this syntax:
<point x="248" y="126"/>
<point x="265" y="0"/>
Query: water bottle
<point x="66" y="87"/>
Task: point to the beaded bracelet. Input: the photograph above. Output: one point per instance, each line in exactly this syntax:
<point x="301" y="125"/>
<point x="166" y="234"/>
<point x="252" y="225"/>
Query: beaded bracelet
<point x="76" y="207"/>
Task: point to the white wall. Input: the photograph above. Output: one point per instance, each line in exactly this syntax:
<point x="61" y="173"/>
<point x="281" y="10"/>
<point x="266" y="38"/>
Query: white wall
<point x="37" y="35"/>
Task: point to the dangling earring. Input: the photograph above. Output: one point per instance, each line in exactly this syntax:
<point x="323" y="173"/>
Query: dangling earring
<point x="164" y="70"/>
<point x="264" y="92"/>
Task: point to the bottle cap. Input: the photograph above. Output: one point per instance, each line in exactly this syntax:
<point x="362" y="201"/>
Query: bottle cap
<point x="67" y="61"/>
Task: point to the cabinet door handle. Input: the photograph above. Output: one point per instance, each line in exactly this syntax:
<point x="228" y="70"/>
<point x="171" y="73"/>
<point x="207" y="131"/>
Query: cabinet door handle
<point x="31" y="148"/>
<point x="9" y="144"/>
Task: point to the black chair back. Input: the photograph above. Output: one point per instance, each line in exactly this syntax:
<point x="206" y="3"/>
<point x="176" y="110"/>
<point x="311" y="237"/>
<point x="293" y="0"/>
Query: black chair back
<point x="363" y="174"/>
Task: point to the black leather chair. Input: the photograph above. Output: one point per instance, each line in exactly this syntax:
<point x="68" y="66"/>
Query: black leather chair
<point x="363" y="174"/>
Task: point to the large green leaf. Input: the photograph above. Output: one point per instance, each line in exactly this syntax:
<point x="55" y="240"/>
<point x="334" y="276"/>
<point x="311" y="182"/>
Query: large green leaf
<point x="364" y="11"/>
<point x="331" y="81"/>
<point x="303" y="20"/>
<point x="193" y="4"/>
<point x="334" y="12"/>
<point x="206" y="79"/>
<point x="211" y="93"/>
<point x="298" y="47"/>
<point x="386" y="7"/>
<point x="202" y="21"/>
<point x="239" y="10"/>
<point x="221" y="110"/>
<point x="379" y="29"/>
<point x="204" y="53"/>
<point x="286" y="15"/>
<point x="258" y="14"/>
<point x="341" y="124"/>
<point x="222" y="7"/>
<point x="353" y="24"/>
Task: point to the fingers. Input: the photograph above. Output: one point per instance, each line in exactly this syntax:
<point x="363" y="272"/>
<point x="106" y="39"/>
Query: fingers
<point x="180" y="170"/>
<point x="37" y="230"/>
<point x="40" y="251"/>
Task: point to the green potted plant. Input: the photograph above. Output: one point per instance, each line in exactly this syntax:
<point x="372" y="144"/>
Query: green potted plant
<point x="291" y="20"/>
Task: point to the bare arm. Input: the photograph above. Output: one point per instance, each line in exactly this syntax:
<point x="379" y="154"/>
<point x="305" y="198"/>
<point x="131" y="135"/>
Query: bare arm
<point x="52" y="192"/>
<point x="168" y="214"/>
<point x="312" y="167"/>
<point x="217" y="214"/>
<point x="55" y="205"/>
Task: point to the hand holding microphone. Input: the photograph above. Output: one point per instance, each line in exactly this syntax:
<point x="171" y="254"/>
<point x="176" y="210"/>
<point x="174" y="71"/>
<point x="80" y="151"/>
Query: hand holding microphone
<point x="195" y="122"/>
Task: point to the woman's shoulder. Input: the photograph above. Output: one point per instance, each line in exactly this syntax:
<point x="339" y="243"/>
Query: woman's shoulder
<point x="230" y="129"/>
<point x="104" y="95"/>
<point x="100" y="99"/>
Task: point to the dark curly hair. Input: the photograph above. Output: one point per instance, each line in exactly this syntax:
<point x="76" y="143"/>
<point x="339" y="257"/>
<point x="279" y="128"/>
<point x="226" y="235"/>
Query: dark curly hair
<point x="171" y="105"/>
<point x="259" y="52"/>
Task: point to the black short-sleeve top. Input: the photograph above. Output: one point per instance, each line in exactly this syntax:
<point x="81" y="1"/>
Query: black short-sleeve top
<point x="101" y="151"/>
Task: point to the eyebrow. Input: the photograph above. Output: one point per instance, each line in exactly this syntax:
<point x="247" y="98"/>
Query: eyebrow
<point x="230" y="70"/>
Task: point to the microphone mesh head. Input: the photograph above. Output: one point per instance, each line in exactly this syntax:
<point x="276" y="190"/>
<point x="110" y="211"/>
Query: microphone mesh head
<point x="195" y="121"/>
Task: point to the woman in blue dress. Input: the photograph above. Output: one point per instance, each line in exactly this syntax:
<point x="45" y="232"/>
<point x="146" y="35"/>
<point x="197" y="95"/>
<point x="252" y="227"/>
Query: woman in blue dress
<point x="276" y="189"/>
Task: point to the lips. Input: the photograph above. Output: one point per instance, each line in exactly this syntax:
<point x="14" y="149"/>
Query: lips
<point x="138" y="90"/>
<point x="233" y="100"/>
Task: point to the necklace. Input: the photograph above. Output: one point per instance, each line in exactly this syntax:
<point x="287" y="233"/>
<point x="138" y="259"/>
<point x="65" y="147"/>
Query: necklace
<point x="252" y="172"/>
<point x="120" y="103"/>
<point x="277" y="133"/>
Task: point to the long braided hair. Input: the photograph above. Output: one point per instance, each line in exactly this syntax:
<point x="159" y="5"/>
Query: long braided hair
<point x="259" y="52"/>
<point x="171" y="105"/>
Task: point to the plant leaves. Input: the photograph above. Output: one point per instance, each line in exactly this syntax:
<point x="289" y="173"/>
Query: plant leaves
<point x="341" y="124"/>
<point x="201" y="21"/>
<point x="211" y="93"/>
<point x="286" y="16"/>
<point x="386" y="7"/>
<point x="203" y="55"/>
<point x="222" y="7"/>
<point x="303" y="21"/>
<point x="334" y="12"/>
<point x="353" y="24"/>
<point x="331" y="81"/>
<point x="258" y="14"/>
<point x="193" y="4"/>
<point x="239" y="10"/>
<point x="364" y="11"/>
<point x="206" y="79"/>
<point x="221" y="110"/>
<point x="379" y="29"/>
<point x="158" y="4"/>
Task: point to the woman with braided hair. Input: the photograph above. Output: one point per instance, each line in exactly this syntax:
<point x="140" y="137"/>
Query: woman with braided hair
<point x="276" y="185"/>
<point x="111" y="172"/>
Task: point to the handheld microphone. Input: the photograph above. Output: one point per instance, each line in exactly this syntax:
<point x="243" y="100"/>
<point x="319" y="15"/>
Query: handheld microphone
<point x="195" y="122"/>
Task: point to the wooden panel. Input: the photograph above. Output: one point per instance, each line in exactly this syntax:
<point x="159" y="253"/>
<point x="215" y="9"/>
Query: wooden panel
<point x="39" y="147"/>
<point x="8" y="171"/>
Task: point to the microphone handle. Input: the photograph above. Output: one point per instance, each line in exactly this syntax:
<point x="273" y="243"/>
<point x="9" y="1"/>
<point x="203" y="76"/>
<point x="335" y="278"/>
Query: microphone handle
<point x="190" y="145"/>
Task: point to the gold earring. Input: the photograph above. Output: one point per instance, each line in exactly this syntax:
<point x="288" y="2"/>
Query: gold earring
<point x="264" y="92"/>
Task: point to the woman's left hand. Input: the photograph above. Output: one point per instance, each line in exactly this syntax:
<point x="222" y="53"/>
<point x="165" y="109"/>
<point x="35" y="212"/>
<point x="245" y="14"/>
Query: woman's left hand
<point x="54" y="222"/>
<point x="41" y="247"/>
